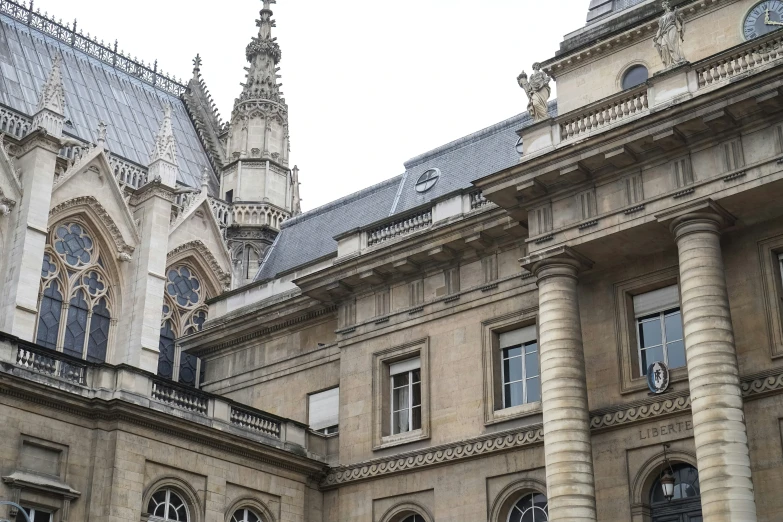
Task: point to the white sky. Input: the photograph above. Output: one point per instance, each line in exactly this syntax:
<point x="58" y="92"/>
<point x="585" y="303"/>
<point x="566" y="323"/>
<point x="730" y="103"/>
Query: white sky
<point x="369" y="84"/>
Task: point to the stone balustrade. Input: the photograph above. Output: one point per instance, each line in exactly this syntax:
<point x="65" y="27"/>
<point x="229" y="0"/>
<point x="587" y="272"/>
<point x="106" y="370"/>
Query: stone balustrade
<point x="96" y="381"/>
<point x="603" y="114"/>
<point x="224" y="213"/>
<point x="399" y="227"/>
<point x="13" y="123"/>
<point x="248" y="213"/>
<point x="747" y="57"/>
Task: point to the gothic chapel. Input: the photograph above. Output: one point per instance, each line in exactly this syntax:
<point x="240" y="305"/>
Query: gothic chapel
<point x="573" y="315"/>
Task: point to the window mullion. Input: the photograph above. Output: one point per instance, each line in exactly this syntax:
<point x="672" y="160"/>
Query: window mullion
<point x="663" y="338"/>
<point x="86" y="335"/>
<point x="410" y="401"/>
<point x="523" y="363"/>
<point x="61" y="327"/>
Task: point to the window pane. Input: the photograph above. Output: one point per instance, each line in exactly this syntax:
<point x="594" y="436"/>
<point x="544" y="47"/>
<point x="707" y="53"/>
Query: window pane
<point x="416" y="394"/>
<point x="401" y="379"/>
<point x="650" y="356"/>
<point x="515" y="351"/>
<point x="534" y="389"/>
<point x="400" y="398"/>
<point x="400" y="421"/>
<point x="673" y="322"/>
<point x="49" y="319"/>
<point x="99" y="333"/>
<point x="416" y="375"/>
<point x="76" y="326"/>
<point x="416" y="418"/>
<point x="512" y="369"/>
<point x="187" y="368"/>
<point x="676" y="353"/>
<point x="650" y="333"/>
<point x="531" y="347"/>
<point x="513" y="393"/>
<point x="166" y="355"/>
<point x="531" y="364"/>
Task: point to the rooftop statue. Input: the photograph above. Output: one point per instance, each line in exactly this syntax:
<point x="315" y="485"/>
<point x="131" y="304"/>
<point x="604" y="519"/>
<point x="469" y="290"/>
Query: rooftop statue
<point x="671" y="33"/>
<point x="538" y="92"/>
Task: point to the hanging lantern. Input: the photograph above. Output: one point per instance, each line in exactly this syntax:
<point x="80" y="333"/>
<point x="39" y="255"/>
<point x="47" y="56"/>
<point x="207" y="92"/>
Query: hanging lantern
<point x="667" y="485"/>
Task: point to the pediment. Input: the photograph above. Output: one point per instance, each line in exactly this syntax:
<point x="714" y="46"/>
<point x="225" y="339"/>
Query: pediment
<point x="198" y="223"/>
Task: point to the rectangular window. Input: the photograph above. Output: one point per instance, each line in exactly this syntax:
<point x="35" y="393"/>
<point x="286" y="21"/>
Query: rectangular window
<point x="230" y="196"/>
<point x="659" y="328"/>
<point x="733" y="154"/>
<point x="451" y="276"/>
<point x="683" y="174"/>
<point x="323" y="410"/>
<point x="416" y="293"/>
<point x="519" y="365"/>
<point x="405" y="379"/>
<point x="36" y="515"/>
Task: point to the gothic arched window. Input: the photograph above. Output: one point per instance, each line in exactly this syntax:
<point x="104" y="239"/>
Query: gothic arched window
<point x="184" y="313"/>
<point x="167" y="506"/>
<point x="74" y="314"/>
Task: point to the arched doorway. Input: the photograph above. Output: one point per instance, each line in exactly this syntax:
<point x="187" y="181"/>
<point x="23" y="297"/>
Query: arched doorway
<point x="685" y="505"/>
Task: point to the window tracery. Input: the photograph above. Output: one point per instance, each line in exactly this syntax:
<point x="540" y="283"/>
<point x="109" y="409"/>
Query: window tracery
<point x="532" y="507"/>
<point x="184" y="313"/>
<point x="75" y="304"/>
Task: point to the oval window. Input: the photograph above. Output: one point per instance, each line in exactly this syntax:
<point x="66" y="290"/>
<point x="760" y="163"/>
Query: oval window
<point x="427" y="180"/>
<point x="634" y="76"/>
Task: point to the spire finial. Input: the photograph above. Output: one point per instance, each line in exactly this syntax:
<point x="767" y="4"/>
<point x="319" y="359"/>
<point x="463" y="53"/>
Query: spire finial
<point x="102" y="134"/>
<point x="196" y="64"/>
<point x="204" y="179"/>
<point x="53" y="95"/>
<point x="165" y="148"/>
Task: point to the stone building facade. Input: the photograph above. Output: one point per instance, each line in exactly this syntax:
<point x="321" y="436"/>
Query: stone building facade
<point x="573" y="315"/>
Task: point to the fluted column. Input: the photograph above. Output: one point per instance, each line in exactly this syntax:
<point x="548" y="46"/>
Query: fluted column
<point x="716" y="401"/>
<point x="567" y="446"/>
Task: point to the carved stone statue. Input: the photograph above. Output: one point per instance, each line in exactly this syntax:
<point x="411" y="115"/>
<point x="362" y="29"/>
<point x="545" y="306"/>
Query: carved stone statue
<point x="671" y="33"/>
<point x="537" y="90"/>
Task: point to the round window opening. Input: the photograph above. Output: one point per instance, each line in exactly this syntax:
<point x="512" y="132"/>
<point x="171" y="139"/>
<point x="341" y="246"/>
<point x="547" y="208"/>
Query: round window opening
<point x="520" y="147"/>
<point x="427" y="180"/>
<point x="634" y="76"/>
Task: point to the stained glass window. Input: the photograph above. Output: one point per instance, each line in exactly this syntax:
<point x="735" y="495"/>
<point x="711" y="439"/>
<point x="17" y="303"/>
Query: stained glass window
<point x="184" y="313"/>
<point x="72" y="272"/>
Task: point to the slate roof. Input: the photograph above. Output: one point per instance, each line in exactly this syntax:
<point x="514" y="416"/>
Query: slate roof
<point x="602" y="8"/>
<point x="94" y="91"/>
<point x="310" y="236"/>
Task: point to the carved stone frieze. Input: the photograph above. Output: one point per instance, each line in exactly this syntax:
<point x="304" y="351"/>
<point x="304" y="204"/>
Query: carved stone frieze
<point x="197" y="245"/>
<point x="93" y="204"/>
<point x="640" y="412"/>
<point x="437" y="455"/>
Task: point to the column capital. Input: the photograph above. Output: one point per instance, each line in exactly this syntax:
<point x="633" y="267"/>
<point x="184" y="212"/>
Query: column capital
<point x="698" y="216"/>
<point x="561" y="256"/>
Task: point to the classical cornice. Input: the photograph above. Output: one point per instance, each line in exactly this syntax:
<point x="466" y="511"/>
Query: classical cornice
<point x="93" y="204"/>
<point x="160" y="422"/>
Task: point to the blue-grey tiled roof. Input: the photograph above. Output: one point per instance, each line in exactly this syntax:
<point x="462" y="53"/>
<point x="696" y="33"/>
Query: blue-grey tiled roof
<point x="95" y="91"/>
<point x="310" y="236"/>
<point x="602" y="8"/>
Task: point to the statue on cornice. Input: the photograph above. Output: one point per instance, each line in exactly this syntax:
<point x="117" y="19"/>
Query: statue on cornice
<point x="538" y="92"/>
<point x="671" y="33"/>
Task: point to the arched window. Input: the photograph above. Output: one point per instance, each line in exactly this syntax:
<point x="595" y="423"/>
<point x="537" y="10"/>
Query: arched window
<point x="245" y="515"/>
<point x="414" y="518"/>
<point x="685" y="504"/>
<point x="75" y="314"/>
<point x="184" y="313"/>
<point x="532" y="507"/>
<point x="635" y="75"/>
<point x="166" y="505"/>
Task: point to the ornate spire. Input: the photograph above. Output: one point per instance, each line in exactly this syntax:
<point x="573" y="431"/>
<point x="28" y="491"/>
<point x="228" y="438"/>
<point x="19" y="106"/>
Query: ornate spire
<point x="163" y="162"/>
<point x="264" y="54"/>
<point x="53" y="96"/>
<point x="165" y="148"/>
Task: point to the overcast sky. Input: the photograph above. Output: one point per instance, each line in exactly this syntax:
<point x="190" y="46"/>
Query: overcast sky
<point x="369" y="84"/>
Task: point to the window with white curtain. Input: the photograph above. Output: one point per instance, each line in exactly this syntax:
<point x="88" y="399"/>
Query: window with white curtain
<point x="659" y="328"/>
<point x="519" y="367"/>
<point x="405" y="377"/>
<point x="324" y="411"/>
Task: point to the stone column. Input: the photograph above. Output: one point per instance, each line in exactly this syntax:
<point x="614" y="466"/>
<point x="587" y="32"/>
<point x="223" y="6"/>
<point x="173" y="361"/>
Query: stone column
<point x="716" y="401"/>
<point x="567" y="445"/>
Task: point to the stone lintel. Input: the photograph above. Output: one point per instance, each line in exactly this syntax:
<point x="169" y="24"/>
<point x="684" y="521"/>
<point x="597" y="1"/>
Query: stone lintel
<point x="553" y="254"/>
